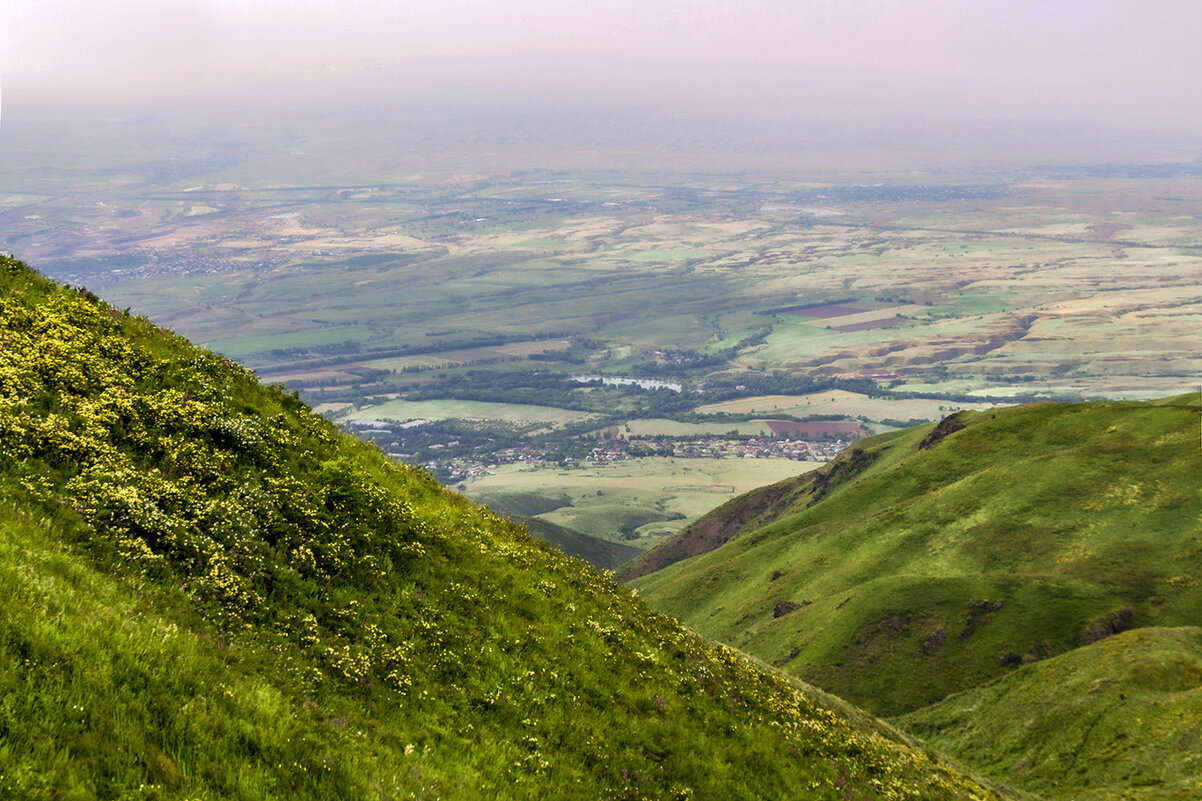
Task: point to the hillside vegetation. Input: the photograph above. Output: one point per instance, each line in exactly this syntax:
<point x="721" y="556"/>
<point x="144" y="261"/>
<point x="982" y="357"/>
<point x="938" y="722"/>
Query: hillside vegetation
<point x="210" y="593"/>
<point x="1121" y="718"/>
<point x="928" y="561"/>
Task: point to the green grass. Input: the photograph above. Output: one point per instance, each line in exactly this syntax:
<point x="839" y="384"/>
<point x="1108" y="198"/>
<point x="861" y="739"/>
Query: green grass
<point x="598" y="551"/>
<point x="1121" y="718"/>
<point x="525" y="504"/>
<point x="611" y="520"/>
<point x="1064" y="513"/>
<point x="111" y="689"/>
<point x="209" y="593"/>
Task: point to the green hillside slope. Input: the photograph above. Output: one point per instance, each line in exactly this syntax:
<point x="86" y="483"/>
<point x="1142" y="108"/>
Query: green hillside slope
<point x="210" y="593"/>
<point x="1121" y="718"/>
<point x="929" y="561"/>
<point x="748" y="511"/>
<point x="594" y="550"/>
<point x="522" y="506"/>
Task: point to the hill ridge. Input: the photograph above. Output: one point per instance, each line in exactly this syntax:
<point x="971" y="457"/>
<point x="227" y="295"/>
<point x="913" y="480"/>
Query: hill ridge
<point x="1078" y="510"/>
<point x="212" y="593"/>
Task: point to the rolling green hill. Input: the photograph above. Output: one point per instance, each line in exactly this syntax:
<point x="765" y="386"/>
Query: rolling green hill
<point x="211" y="593"/>
<point x="928" y="561"/>
<point x="1121" y="718"/>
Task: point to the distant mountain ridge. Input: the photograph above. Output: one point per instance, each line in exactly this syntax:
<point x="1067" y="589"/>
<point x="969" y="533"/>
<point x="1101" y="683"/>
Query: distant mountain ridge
<point x="209" y="592"/>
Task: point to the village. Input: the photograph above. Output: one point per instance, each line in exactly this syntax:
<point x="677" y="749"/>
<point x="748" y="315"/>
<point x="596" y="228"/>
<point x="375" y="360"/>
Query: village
<point x="457" y="468"/>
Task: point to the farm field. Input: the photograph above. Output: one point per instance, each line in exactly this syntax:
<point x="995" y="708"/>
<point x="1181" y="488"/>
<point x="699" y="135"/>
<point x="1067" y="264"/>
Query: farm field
<point x="672" y="428"/>
<point x="450" y="358"/>
<point x="402" y="410"/>
<point x="849" y="403"/>
<point x="649" y="498"/>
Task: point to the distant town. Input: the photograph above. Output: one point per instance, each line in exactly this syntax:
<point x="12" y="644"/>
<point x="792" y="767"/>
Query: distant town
<point x="468" y="455"/>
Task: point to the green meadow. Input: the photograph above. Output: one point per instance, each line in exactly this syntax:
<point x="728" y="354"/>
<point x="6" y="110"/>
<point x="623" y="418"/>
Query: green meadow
<point x="1115" y="719"/>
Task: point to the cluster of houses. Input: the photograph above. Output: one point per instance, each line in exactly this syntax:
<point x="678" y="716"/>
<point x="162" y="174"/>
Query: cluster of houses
<point x="722" y="448"/>
<point x="616" y="450"/>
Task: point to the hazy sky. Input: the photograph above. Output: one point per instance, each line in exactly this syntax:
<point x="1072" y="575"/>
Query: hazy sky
<point x="1136" y="59"/>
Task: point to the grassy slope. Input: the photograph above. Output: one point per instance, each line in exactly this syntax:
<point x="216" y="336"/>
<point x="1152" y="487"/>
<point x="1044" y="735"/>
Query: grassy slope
<point x="594" y="550"/>
<point x="1121" y="718"/>
<point x="927" y="571"/>
<point x="522" y="506"/>
<point x="209" y="593"/>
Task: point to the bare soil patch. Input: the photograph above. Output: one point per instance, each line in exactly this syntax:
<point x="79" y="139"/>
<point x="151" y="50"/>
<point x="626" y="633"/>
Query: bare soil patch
<point x="817" y="428"/>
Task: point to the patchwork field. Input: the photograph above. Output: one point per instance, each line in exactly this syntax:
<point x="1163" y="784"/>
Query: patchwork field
<point x="985" y="294"/>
